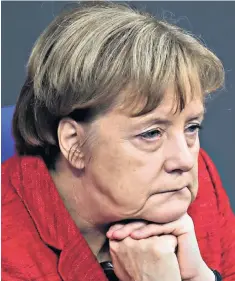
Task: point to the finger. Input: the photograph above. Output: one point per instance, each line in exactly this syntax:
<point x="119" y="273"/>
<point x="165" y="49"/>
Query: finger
<point x="113" y="228"/>
<point x="177" y="228"/>
<point x="148" y="231"/>
<point x="126" y="230"/>
<point x="167" y="243"/>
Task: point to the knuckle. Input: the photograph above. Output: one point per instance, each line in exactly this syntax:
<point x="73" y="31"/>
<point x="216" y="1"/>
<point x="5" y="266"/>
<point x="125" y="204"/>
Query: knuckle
<point x="114" y="246"/>
<point x="155" y="228"/>
<point x="115" y="226"/>
<point x="136" y="225"/>
<point x="129" y="242"/>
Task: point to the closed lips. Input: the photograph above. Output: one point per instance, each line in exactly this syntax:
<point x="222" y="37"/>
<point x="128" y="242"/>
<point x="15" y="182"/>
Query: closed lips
<point x="173" y="190"/>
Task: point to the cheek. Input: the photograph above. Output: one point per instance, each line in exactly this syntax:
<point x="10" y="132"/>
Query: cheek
<point x="197" y="147"/>
<point x="194" y="188"/>
<point x="196" y="155"/>
<point x="122" y="175"/>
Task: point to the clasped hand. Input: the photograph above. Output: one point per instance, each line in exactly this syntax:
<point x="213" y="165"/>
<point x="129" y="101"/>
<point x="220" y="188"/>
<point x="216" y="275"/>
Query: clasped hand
<point x="142" y="251"/>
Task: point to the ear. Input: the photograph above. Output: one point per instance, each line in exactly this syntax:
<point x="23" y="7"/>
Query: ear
<point x="70" y="138"/>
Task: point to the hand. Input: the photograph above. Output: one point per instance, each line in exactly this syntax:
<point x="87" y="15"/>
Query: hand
<point x="151" y="259"/>
<point x="192" y="267"/>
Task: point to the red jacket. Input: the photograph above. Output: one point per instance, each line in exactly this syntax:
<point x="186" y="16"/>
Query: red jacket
<point x="41" y="242"/>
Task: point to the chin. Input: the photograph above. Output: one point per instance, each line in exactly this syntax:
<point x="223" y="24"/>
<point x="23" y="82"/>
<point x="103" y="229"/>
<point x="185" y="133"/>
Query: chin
<point x="164" y="210"/>
<point x="167" y="216"/>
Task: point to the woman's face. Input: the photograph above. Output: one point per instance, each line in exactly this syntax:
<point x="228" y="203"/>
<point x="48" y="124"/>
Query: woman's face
<point x="145" y="167"/>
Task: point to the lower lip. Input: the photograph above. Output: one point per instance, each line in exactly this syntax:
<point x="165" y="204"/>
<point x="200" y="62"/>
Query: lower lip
<point x="182" y="189"/>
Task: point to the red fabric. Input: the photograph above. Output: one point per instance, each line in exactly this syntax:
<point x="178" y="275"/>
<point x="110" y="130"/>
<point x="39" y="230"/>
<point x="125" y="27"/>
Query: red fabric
<point x="36" y="226"/>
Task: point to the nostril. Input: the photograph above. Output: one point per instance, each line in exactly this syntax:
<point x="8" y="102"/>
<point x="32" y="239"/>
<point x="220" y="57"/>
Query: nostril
<point x="177" y="171"/>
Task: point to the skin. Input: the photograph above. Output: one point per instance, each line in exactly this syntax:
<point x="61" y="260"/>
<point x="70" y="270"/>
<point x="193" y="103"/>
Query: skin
<point x="139" y="234"/>
<point x="130" y="168"/>
<point x="128" y="172"/>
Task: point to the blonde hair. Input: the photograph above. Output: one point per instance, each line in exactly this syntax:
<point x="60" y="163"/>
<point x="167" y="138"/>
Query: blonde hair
<point x="95" y="52"/>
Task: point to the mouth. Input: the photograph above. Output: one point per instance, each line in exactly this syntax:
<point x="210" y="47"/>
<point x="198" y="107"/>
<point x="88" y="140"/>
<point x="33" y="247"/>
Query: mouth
<point x="174" y="190"/>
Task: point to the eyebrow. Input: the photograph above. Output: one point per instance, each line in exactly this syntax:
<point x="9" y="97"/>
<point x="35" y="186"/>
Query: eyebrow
<point x="167" y="122"/>
<point x="198" y="116"/>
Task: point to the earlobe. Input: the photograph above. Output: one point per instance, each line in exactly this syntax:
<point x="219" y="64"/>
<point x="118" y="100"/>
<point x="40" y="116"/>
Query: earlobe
<point x="70" y="138"/>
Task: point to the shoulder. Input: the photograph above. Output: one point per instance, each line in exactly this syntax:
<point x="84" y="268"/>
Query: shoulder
<point x="215" y="218"/>
<point x="10" y="169"/>
<point x="209" y="177"/>
<point x="13" y="174"/>
<point x="210" y="193"/>
<point x="205" y="162"/>
<point x="22" y="245"/>
<point x="18" y="173"/>
<point x="207" y="165"/>
<point x="14" y="211"/>
<point x="212" y="197"/>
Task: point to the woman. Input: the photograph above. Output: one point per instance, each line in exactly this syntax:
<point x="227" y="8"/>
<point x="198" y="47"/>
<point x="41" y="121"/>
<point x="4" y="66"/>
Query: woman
<point x="109" y="166"/>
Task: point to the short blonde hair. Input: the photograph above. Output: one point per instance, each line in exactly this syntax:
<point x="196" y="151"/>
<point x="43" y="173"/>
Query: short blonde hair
<point x="91" y="54"/>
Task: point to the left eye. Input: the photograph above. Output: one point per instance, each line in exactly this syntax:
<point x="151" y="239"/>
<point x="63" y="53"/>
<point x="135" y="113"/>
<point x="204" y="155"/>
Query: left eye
<point x="152" y="134"/>
<point x="193" y="128"/>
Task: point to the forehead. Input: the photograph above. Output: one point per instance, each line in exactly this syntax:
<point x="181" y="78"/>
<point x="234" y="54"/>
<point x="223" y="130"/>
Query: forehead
<point x="168" y="105"/>
<point x="174" y="95"/>
<point x="166" y="114"/>
<point x="117" y="120"/>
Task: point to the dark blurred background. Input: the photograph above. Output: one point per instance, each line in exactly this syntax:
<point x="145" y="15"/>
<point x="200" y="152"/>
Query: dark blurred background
<point x="213" y="22"/>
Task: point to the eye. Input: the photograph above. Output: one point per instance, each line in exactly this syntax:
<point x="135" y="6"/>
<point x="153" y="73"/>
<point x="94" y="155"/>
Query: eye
<point x="151" y="135"/>
<point x="194" y="128"/>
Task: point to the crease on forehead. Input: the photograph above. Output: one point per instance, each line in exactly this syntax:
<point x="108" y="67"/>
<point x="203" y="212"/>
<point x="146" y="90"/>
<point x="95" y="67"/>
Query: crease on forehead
<point x="164" y="114"/>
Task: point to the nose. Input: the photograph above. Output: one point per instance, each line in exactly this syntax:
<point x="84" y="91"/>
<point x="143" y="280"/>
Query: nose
<point x="179" y="157"/>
